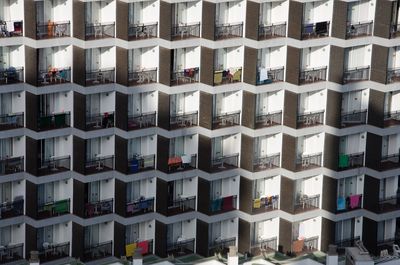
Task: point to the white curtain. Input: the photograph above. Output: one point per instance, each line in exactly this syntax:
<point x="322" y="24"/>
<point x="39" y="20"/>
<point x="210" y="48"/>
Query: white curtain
<point x="91" y="235"/>
<point x="133" y="191"/>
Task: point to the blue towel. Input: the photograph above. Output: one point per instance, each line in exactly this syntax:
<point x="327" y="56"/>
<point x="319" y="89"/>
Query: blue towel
<point x="341" y="204"/>
<point x="216" y="205"/>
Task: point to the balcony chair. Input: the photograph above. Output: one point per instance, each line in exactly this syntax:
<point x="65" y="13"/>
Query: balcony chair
<point x="237" y="76"/>
<point x="218" y="78"/>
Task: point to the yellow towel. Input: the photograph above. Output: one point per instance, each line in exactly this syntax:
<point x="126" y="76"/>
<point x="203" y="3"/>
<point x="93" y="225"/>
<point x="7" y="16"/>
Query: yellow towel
<point x="256" y="203"/>
<point x="130" y="249"/>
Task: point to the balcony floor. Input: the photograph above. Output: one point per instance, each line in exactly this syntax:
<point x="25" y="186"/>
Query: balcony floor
<point x="5" y="126"/>
<point x="96" y="169"/>
<point x="96" y="82"/>
<point x="51" y="170"/>
<point x="54" y="81"/>
<point x="391" y="122"/>
<point x="219" y="168"/>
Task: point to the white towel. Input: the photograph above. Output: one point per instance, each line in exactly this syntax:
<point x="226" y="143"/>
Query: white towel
<point x="263" y="74"/>
<point x="10" y="26"/>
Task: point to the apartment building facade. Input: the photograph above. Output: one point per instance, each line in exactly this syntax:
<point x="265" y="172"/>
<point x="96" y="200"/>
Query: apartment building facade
<point x="183" y="127"/>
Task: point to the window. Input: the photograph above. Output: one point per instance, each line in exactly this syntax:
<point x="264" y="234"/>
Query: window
<point x="216" y="189"/>
<point x="5" y="192"/>
<point x="44" y="236"/>
<point x="94" y="191"/>
<point x="344" y="230"/>
<point x="91" y="235"/>
<point x="174" y="231"/>
<point x="347" y="186"/>
<point x="45" y="193"/>
<point x="5" y="236"/>
<point x="133" y="191"/>
<point x="132" y="233"/>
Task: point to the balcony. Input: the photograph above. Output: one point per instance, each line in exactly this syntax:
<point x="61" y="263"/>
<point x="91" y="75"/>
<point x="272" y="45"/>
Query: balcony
<point x="53" y="252"/>
<point x="145" y="120"/>
<point x="394" y="31"/>
<point x="51" y="30"/>
<point x="230" y="75"/>
<point x="97" y="251"/>
<point x="356" y="117"/>
<point x="221" y="246"/>
<point x="272" y="31"/>
<point x="266" y="162"/>
<point x="388" y="242"/>
<point x="310" y="119"/>
<point x="349" y="203"/>
<point x="392" y="118"/>
<point x="347" y="242"/>
<point x="11" y="29"/>
<point x="99" y="77"/>
<point x="146" y="246"/>
<point x="186" y="76"/>
<point x="313" y="75"/>
<point x="389" y="204"/>
<point x="11" y="75"/>
<point x="224" y="204"/>
<point x="54" y="121"/>
<point x="225" y="163"/>
<point x="94" y="31"/>
<point x="306" y="245"/>
<point x="181" y="247"/>
<point x="100" y="121"/>
<point x="315" y="30"/>
<point x="99" y="164"/>
<point x="93" y="209"/>
<point x="393" y="75"/>
<point x="11" y="121"/>
<point x="11" y="209"/>
<point x="11" y="165"/>
<point x="356" y="74"/>
<point x="142" y="31"/>
<point x="270" y="75"/>
<point x="269" y="119"/>
<point x="348" y="161"/>
<point x="227" y="119"/>
<point x="12" y="253"/>
<point x="389" y="162"/>
<point x="265" y="204"/>
<point x="359" y="29"/>
<point x="307" y="203"/>
<point x="185" y="31"/>
<point x="309" y="162"/>
<point x="141" y="163"/>
<point x="228" y="31"/>
<point x="185" y="120"/>
<point x="182" y="163"/>
<point x="55" y="208"/>
<point x="54" y="165"/>
<point x="264" y="246"/>
<point x="140" y="207"/>
<point x="54" y="76"/>
<point x="142" y="77"/>
<point x="182" y="205"/>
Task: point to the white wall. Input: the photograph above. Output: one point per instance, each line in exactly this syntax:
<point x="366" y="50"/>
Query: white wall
<point x="234" y="57"/>
<point x="19" y="146"/>
<point x="357" y="56"/>
<point x="107" y="102"/>
<point x="312" y="186"/>
<point x="268" y="228"/>
<point x="107" y="57"/>
<point x="107" y="145"/>
<point x="314" y="57"/>
<point x="108" y="12"/>
<point x="148" y="187"/>
<point x="310" y="144"/>
<point x="107" y="189"/>
<point x="228" y="102"/>
<point x="63" y="189"/>
<point x="106" y="231"/>
<point x="192" y="101"/>
<point x="272" y="57"/>
<point x="230" y="186"/>
<point x="189" y="228"/>
<point x="16" y="10"/>
<point x="18" y="233"/>
<point x="189" y="187"/>
<point x="18" y="189"/>
<point x="274" y="12"/>
<point x="310" y="228"/>
<point x="62" y="10"/>
<point x="191" y="144"/>
<point x="312" y="101"/>
<point x="17" y="56"/>
<point x="187" y="58"/>
<point x="18" y="102"/>
<point x="231" y="144"/>
<point x="361" y="11"/>
<point x="147" y="230"/>
<point x="318" y="11"/>
<point x="62" y="233"/>
<point x="63" y="146"/>
<point x="229" y="228"/>
<point x="194" y="12"/>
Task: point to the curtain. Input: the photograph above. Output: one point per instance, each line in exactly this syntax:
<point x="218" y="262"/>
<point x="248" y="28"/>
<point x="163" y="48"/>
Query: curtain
<point x="94" y="191"/>
<point x="45" y="193"/>
<point x="5" y="236"/>
<point x="93" y="148"/>
<point x="91" y="235"/>
<point x="174" y="231"/>
<point x="5" y="192"/>
<point x="6" y="148"/>
<point x="132" y="233"/>
<point x="45" y="234"/>
<point x="134" y="147"/>
<point x="215" y="231"/>
<point x="5" y="103"/>
<point x="133" y="191"/>
<point x="217" y="147"/>
<point x="216" y="189"/>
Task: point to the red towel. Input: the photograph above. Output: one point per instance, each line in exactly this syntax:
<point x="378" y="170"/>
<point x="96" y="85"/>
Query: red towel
<point x="227" y="203"/>
<point x="144" y="246"/>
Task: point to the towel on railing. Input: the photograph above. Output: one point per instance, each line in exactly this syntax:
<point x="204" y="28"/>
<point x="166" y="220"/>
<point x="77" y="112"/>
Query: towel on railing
<point x="321" y="27"/>
<point x="263" y="74"/>
<point x="341" y="203"/>
<point x="256" y="203"/>
<point x="227" y="203"/>
<point x="134" y="166"/>
<point x="144" y="246"/>
<point x="344" y="161"/>
<point x="354" y="201"/>
<point x="144" y="204"/>
<point x="10" y="26"/>
<point x="130" y="249"/>
<point x="216" y="205"/>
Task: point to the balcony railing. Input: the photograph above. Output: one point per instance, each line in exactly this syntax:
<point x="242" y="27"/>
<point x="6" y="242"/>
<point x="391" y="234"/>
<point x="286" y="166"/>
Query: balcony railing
<point x="182" y="163"/>
<point x="11" y="28"/>
<point x="307" y="203"/>
<point x="11" y="165"/>
<point x="221" y="246"/>
<point x="309" y="119"/>
<point x="271" y="31"/>
<point x="305" y="245"/>
<point x="181" y="247"/>
<point x="142" y="31"/>
<point x="54" y="76"/>
<point x="54" y="208"/>
<point x="264" y="245"/>
<point x="53" y="251"/>
<point x="352" y="118"/>
<point x="54" y="165"/>
<point x="348" y="203"/>
<point x="140" y="207"/>
<point x="266" y="162"/>
<point x="93" y="209"/>
<point x="386" y="243"/>
<point x="227" y="76"/>
<point x="309" y="161"/>
<point x="348" y="161"/>
<point x="141" y="163"/>
<point x="265" y="204"/>
<point x="224" y="204"/>
<point x="184" y="120"/>
<point x="181" y="205"/>
<point x="52" y="29"/>
<point x="11" y="75"/>
<point x="393" y="75"/>
<point x="389" y="162"/>
<point x="100" y="76"/>
<point x="54" y="121"/>
<point x="394" y="31"/>
<point x="11" y="209"/>
<point x="12" y="253"/>
<point x="186" y="76"/>
<point x="142" y="77"/>
<point x="391" y="118"/>
<point x="347" y="242"/>
<point x="356" y="74"/>
<point x="359" y="29"/>
<point x="100" y="121"/>
<point x="226" y="119"/>
<point x="270" y="75"/>
<point x="145" y="120"/>
<point x="227" y="31"/>
<point x="99" y="164"/>
<point x="97" y="251"/>
<point x="145" y="246"/>
<point x="185" y="31"/>
<point x="269" y="119"/>
<point x="313" y="75"/>
<point x="11" y="121"/>
<point x="315" y="30"/>
<point x="225" y="162"/>
<point x="95" y="31"/>
<point x="388" y="204"/>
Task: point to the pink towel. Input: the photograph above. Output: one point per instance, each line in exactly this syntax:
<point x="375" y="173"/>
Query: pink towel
<point x="130" y="208"/>
<point x="227" y="203"/>
<point x="355" y="201"/>
<point x="144" y="246"/>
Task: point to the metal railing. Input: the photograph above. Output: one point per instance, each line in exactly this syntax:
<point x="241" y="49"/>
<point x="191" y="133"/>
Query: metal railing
<point x="225" y="162"/>
<point x="394" y="30"/>
<point x="269" y="119"/>
<point x="311" y="244"/>
<point x="103" y="207"/>
<point x="140" y="207"/>
<point x="100" y="121"/>
<point x="99" y="30"/>
<point x="100" y="76"/>
<point x="54" y="76"/>
<point x="187" y="119"/>
<point x="230" y="30"/>
<point x="11" y="75"/>
<point x="223" y="204"/>
<point x="181" y="247"/>
<point x="309" y="161"/>
<point x="226" y="120"/>
<point x="54" y="165"/>
<point x="392" y="115"/>
<point x="12" y="253"/>
<point x="142" y="77"/>
<point x="54" y="208"/>
<point x="359" y="29"/>
<point x="186" y="76"/>
<point x="347" y="161"/>
<point x="11" y="121"/>
<point x="269" y="244"/>
<point x="313" y="75"/>
<point x="315" y="30"/>
<point x="221" y="246"/>
<point x="190" y="163"/>
<point x="54" y="121"/>
<point x="144" y="120"/>
<point x="389" y="161"/>
<point x="390" y="203"/>
<point x="53" y="252"/>
<point x="142" y="31"/>
<point x="99" y="164"/>
<point x="347" y="242"/>
<point x="305" y="203"/>
<point x="266" y="162"/>
<point x="355" y="117"/>
<point x="186" y="30"/>
<point x="181" y="205"/>
<point x="271" y="31"/>
<point x="141" y="163"/>
<point x="271" y="75"/>
<point x="49" y="30"/>
<point x="11" y="165"/>
<point x="266" y="203"/>
<point x="11" y="28"/>
<point x="356" y="74"/>
<point x="393" y="75"/>
<point x="11" y="209"/>
<point x="312" y="118"/>
<point x="97" y="251"/>
<point x="227" y="76"/>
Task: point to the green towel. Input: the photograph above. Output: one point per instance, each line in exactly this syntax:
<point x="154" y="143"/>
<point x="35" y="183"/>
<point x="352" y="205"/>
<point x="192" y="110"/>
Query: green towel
<point x="45" y="121"/>
<point x="343" y="161"/>
<point x="61" y="207"/>
<point x="59" y="119"/>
